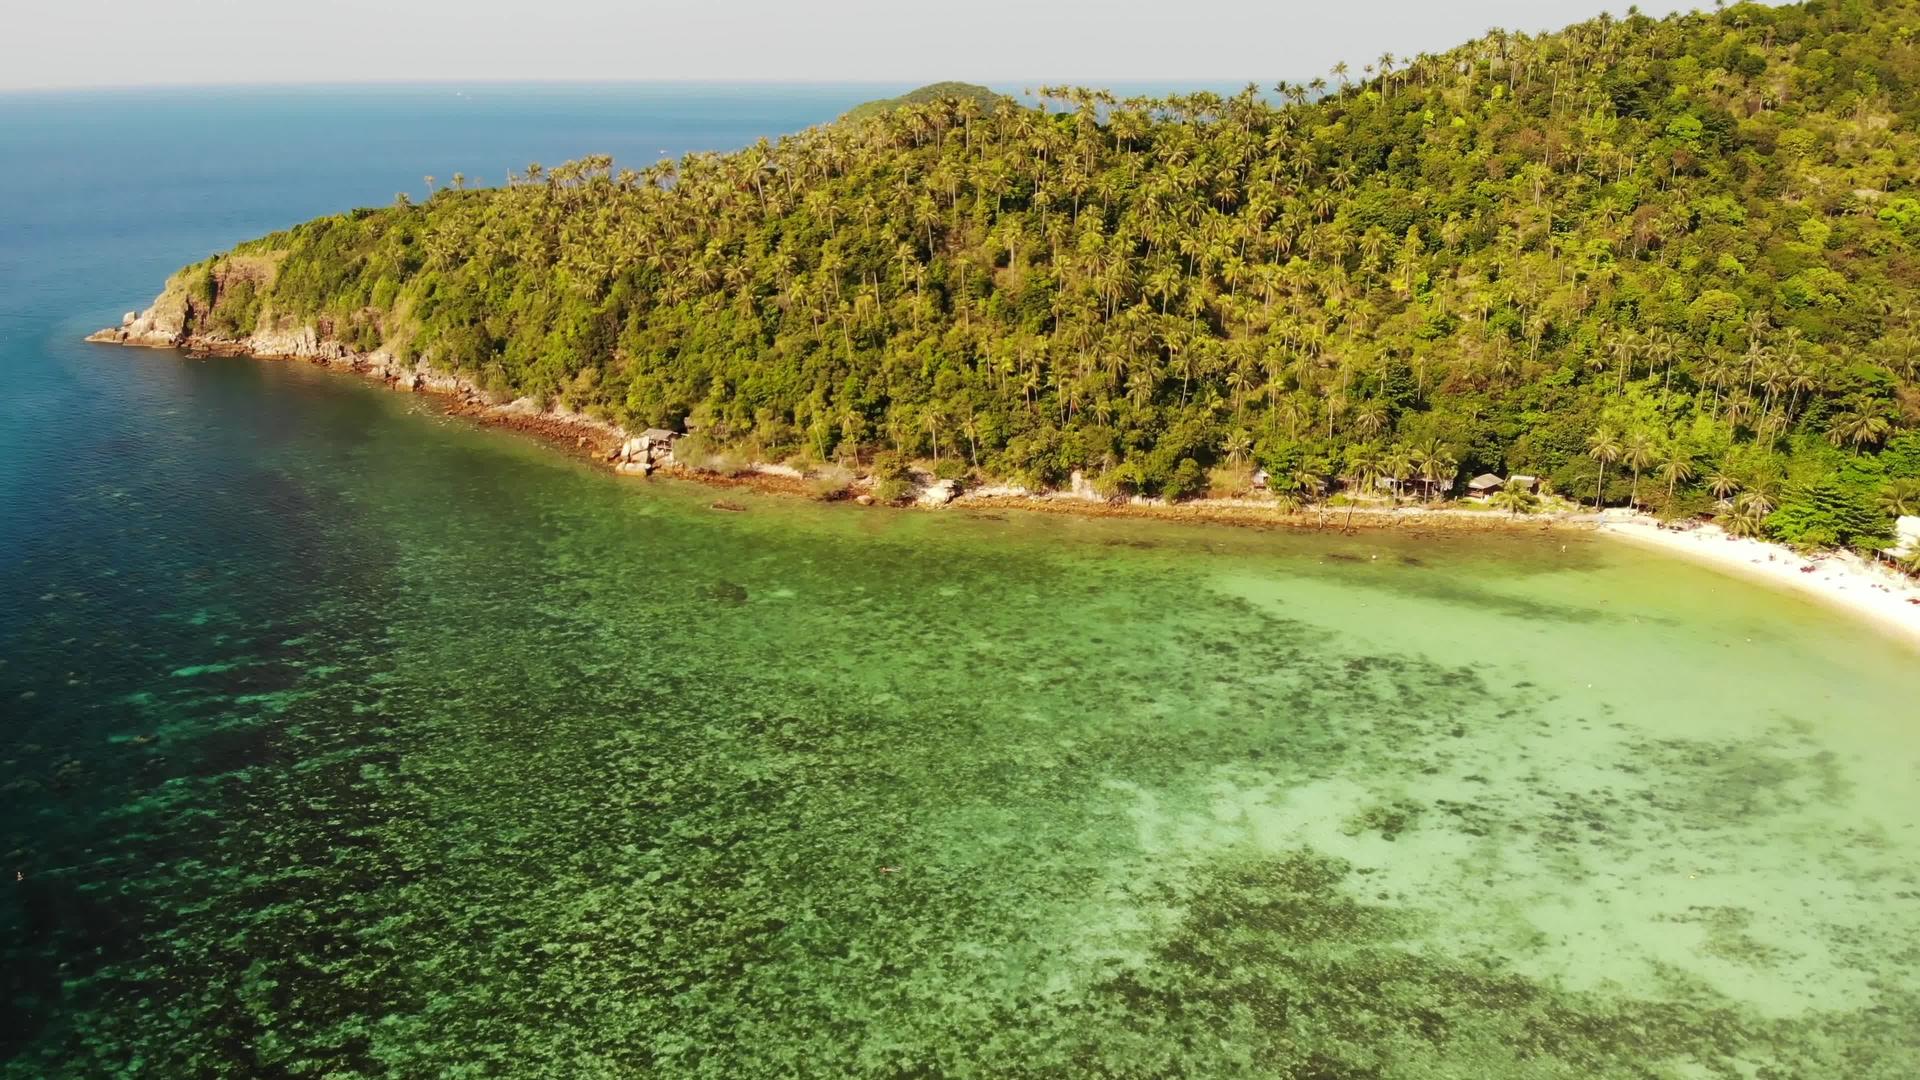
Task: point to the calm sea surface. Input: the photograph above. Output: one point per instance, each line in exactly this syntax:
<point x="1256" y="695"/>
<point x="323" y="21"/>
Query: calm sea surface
<point x="341" y="739"/>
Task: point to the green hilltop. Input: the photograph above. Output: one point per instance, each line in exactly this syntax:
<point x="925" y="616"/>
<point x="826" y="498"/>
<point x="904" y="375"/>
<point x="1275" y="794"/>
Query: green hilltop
<point x="1672" y="262"/>
<point x="928" y="94"/>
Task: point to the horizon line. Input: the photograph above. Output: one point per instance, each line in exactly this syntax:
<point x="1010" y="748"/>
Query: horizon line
<point x="455" y="82"/>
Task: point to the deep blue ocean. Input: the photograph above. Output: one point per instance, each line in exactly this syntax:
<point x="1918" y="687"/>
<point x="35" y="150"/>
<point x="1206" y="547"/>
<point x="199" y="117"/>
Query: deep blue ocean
<point x="106" y="193"/>
<point x="127" y="488"/>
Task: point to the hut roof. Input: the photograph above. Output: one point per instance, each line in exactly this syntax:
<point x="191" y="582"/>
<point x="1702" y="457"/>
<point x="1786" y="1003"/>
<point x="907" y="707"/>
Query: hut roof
<point x="1483" y="481"/>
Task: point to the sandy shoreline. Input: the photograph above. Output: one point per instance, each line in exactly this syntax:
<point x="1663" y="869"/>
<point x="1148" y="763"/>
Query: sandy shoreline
<point x="1844" y="580"/>
<point x="1841" y="579"/>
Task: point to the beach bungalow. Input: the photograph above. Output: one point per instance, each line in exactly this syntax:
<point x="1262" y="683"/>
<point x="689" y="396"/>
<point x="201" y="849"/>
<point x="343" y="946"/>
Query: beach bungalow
<point x="1260" y="479"/>
<point x="641" y="453"/>
<point x="1415" y="487"/>
<point x="1485" y="484"/>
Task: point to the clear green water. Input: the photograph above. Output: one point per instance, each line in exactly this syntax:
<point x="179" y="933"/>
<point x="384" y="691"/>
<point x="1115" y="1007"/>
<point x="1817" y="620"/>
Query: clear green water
<point x="402" y="748"/>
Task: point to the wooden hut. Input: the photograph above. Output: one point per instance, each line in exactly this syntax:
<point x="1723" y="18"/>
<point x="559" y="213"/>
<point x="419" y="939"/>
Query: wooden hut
<point x="1416" y="487"/>
<point x="1485" y="484"/>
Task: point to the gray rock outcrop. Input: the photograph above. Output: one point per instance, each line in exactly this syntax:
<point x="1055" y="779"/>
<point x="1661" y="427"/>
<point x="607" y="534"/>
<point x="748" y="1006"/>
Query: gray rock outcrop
<point x="641" y="454"/>
<point x="938" y="493"/>
<point x="151" y="327"/>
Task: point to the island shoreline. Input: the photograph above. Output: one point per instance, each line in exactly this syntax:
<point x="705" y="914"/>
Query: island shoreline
<point x="1840" y="580"/>
<point x="596" y="442"/>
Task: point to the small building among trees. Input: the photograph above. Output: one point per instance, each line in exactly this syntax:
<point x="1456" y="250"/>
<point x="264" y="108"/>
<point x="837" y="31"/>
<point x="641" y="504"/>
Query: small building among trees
<point x="1485" y="484"/>
<point x="1415" y="487"/>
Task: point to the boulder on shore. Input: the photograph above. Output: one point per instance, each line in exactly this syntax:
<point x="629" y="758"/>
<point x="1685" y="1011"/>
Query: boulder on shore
<point x="939" y="493"/>
<point x="653" y="446"/>
<point x="150" y="327"/>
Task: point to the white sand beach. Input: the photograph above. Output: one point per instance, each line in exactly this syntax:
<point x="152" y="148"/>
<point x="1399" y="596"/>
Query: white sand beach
<point x="1871" y="591"/>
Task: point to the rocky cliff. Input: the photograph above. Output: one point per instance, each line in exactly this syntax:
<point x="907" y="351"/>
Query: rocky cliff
<point x="170" y="323"/>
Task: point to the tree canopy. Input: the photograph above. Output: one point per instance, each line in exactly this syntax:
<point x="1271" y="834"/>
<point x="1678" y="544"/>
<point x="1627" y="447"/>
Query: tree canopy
<point x="931" y="93"/>
<point x="1689" y="243"/>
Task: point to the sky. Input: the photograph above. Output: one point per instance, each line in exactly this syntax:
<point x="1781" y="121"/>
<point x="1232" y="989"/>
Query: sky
<point x="79" y="43"/>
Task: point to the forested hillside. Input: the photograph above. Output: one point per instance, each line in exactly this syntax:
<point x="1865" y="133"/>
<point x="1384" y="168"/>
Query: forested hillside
<point x="930" y="94"/>
<point x="1671" y="261"/>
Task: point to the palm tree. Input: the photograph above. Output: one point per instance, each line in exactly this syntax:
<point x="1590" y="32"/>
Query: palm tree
<point x="1759" y="502"/>
<point x="1370" y="417"/>
<point x="1239" y="444"/>
<point x="1858" y="427"/>
<point x="1625" y="347"/>
<point x="1636" y="455"/>
<point x="1434" y="463"/>
<point x="1603" y="446"/>
<point x="1515" y="497"/>
<point x="1397" y="466"/>
<point x="1677" y="468"/>
<point x="1308" y="482"/>
<point x="1722" y="482"/>
<point x="932" y="421"/>
<point x="1742" y="520"/>
<point x="1900" y="498"/>
<point x="1365" y="464"/>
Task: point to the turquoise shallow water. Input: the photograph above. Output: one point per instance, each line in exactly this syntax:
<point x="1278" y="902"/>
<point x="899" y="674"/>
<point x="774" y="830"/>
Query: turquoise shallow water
<point x="344" y="739"/>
